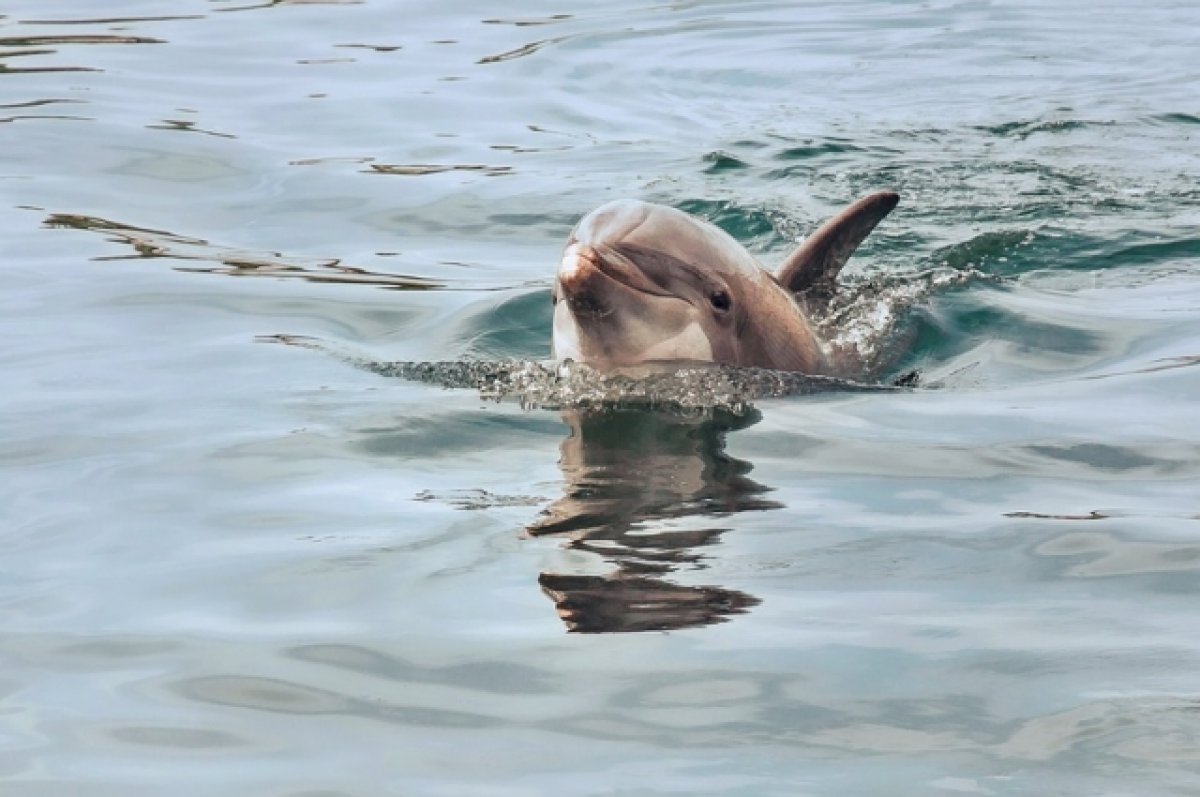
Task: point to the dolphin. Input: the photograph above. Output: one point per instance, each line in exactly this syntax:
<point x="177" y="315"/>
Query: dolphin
<point x="640" y="283"/>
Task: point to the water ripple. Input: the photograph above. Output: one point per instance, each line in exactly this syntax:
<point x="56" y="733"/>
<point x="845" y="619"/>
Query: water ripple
<point x="690" y="389"/>
<point x="524" y="50"/>
<point x="525" y="22"/>
<point x="111" y="20"/>
<point x="154" y="244"/>
<point x="93" y="38"/>
<point x="418" y="169"/>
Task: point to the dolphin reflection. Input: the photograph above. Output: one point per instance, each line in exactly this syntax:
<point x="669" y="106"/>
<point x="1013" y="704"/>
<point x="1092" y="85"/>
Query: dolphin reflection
<point x="632" y="478"/>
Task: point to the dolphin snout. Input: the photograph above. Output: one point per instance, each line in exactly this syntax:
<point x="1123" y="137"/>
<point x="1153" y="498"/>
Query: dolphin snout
<point x="581" y="280"/>
<point x="577" y="258"/>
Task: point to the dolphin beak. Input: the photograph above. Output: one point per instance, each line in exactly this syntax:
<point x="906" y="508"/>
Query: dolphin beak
<point x="576" y="260"/>
<point x="581" y="281"/>
<point x="590" y="276"/>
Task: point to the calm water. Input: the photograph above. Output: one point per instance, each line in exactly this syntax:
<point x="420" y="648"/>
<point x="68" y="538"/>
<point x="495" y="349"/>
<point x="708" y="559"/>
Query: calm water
<point x="233" y="567"/>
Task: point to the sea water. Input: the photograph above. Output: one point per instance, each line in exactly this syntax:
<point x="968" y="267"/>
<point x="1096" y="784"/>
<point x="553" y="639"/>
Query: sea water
<point x="234" y="567"/>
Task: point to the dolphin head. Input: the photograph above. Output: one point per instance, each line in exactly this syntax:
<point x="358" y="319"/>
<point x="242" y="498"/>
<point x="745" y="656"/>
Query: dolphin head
<point x="640" y="282"/>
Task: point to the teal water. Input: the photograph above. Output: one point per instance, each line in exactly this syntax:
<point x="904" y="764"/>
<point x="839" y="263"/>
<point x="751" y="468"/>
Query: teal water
<point x="237" y="567"/>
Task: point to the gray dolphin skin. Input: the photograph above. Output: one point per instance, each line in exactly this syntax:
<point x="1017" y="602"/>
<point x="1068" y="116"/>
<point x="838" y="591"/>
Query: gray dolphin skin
<point x="641" y="283"/>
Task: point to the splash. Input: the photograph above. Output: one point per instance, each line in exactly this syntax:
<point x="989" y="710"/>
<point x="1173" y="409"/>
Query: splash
<point x="861" y="318"/>
<point x="690" y="389"/>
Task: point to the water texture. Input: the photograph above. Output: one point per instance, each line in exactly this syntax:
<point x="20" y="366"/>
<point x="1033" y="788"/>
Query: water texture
<point x="406" y="554"/>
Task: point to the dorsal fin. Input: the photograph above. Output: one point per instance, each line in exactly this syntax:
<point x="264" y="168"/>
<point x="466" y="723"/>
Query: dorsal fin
<point x="819" y="259"/>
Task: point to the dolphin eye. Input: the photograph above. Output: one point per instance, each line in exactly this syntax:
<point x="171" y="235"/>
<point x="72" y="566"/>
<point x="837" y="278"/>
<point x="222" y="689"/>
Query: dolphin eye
<point x="720" y="301"/>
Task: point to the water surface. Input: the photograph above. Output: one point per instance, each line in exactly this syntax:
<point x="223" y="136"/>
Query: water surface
<point x="239" y="567"/>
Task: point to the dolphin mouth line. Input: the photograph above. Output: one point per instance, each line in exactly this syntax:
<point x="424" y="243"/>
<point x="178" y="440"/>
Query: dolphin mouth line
<point x="605" y="263"/>
<point x="628" y="274"/>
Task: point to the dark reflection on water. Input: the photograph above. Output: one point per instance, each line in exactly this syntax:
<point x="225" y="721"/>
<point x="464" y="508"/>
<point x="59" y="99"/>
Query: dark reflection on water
<point x="38" y="41"/>
<point x="619" y="603"/>
<point x="112" y="20"/>
<point x="649" y="484"/>
<point x="631" y="476"/>
<point x="150" y="243"/>
<point x="282" y="3"/>
<point x="530" y="21"/>
<point x="187" y="126"/>
<point x="45" y="45"/>
<point x="519" y="52"/>
<point x="10" y="70"/>
<point x="419" y="169"/>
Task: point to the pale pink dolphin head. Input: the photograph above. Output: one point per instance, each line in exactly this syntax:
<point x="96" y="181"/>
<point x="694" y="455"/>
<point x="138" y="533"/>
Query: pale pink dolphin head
<point x="640" y="282"/>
